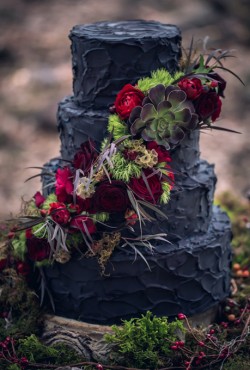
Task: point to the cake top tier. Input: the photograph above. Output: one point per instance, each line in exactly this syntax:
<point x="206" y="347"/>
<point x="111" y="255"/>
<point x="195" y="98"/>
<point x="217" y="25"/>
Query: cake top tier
<point x="108" y="55"/>
<point x="114" y="31"/>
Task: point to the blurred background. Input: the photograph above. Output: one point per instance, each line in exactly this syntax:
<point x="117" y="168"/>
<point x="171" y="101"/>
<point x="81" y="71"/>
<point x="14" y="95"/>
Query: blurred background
<point x="35" y="74"/>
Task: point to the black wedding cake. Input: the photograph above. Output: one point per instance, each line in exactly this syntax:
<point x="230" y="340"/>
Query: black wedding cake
<point x="190" y="272"/>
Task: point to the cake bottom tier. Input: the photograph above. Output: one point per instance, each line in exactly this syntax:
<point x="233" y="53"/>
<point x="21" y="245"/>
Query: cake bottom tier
<point x="189" y="276"/>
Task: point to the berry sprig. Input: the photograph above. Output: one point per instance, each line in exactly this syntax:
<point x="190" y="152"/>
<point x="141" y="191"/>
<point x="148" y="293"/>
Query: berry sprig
<point x="9" y="355"/>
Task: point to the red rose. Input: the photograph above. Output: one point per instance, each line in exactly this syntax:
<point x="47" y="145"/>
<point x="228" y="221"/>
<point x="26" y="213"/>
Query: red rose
<point x="39" y="199"/>
<point x="110" y="197"/>
<point x="140" y="188"/>
<point x="85" y="157"/>
<point x="64" y="185"/>
<point x="128" y="98"/>
<point x="37" y="249"/>
<point x="208" y="105"/>
<point x="192" y="87"/>
<point x="3" y="264"/>
<point x="163" y="154"/>
<point x="59" y="213"/>
<point x="82" y="223"/>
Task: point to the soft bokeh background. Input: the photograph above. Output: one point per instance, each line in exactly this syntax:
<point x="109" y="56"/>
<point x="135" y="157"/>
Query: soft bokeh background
<point x="36" y="74"/>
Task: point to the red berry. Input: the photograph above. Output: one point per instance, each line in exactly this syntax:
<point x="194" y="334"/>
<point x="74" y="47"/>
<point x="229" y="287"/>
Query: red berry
<point x="202" y="354"/>
<point x="181" y="343"/>
<point x="99" y="367"/>
<point x="212" y="331"/>
<point x="202" y="344"/>
<point x="181" y="316"/>
<point x="174" y="347"/>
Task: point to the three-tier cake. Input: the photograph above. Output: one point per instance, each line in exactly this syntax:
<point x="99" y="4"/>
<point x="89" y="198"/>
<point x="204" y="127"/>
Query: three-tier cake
<point x="190" y="272"/>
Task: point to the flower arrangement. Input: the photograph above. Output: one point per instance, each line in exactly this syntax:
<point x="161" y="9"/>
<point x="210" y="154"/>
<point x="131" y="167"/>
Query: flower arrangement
<point x="101" y="195"/>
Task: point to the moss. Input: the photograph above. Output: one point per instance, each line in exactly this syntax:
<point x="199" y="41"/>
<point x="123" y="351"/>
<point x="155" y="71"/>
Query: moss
<point x="142" y="342"/>
<point x="37" y="352"/>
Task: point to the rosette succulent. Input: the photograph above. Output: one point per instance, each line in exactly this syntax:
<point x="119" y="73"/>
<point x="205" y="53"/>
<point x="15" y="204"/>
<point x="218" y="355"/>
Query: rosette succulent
<point x="166" y="114"/>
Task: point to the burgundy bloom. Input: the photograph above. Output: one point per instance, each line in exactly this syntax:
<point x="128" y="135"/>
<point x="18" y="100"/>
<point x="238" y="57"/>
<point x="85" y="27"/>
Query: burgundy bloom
<point x="221" y="83"/>
<point x="23" y="268"/>
<point x="3" y="264"/>
<point x="192" y="87"/>
<point x="59" y="213"/>
<point x="140" y="188"/>
<point x="110" y="197"/>
<point x="163" y="154"/>
<point x="37" y="249"/>
<point x="64" y="185"/>
<point x="39" y="199"/>
<point x="85" y="157"/>
<point x="127" y="99"/>
<point x="208" y="105"/>
<point x="82" y="223"/>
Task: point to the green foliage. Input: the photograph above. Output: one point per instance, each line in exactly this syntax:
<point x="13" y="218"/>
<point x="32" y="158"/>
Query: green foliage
<point x="123" y="170"/>
<point x="142" y="342"/>
<point x="101" y="216"/>
<point x="166" y="193"/>
<point x="19" y="246"/>
<point x="117" y="127"/>
<point x="51" y="198"/>
<point x="237" y="363"/>
<point x="35" y="351"/>
<point x="161" y="76"/>
<point x="239" y="214"/>
<point x="12" y="367"/>
<point x="39" y="231"/>
<point x="23" y="303"/>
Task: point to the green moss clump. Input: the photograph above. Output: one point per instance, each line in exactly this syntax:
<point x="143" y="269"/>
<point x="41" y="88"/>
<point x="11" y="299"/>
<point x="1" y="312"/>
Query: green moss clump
<point x="37" y="352"/>
<point x="161" y="76"/>
<point x="144" y="342"/>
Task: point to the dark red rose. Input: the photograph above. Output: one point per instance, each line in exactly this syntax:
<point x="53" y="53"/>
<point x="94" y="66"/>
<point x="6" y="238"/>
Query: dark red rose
<point x="192" y="87"/>
<point x="3" y="264"/>
<point x="64" y="185"/>
<point x="128" y="98"/>
<point x="39" y="199"/>
<point x="81" y="205"/>
<point x="59" y="213"/>
<point x="82" y="223"/>
<point x="37" y="249"/>
<point x="23" y="268"/>
<point x="208" y="105"/>
<point x="141" y="190"/>
<point x="221" y="83"/>
<point x="163" y="154"/>
<point x="110" y="197"/>
<point x="85" y="157"/>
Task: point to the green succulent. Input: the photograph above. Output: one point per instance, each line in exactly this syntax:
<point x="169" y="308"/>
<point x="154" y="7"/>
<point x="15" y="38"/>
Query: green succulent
<point x="165" y="116"/>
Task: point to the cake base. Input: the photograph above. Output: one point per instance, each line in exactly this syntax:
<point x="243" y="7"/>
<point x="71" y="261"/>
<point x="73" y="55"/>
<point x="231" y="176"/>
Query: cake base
<point x="189" y="276"/>
<point x="87" y="339"/>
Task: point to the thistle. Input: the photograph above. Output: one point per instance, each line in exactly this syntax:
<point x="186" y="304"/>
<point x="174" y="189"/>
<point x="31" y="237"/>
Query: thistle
<point x="164" y="117"/>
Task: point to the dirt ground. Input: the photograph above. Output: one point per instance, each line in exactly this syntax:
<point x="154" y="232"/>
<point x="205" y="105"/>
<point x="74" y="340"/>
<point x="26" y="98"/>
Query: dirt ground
<point x="35" y="74"/>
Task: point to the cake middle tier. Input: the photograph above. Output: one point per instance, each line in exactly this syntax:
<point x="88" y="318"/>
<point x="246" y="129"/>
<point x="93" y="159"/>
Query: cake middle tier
<point x="77" y="124"/>
<point x="189" y="210"/>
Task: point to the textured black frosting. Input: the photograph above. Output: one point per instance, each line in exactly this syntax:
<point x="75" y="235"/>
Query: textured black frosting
<point x="77" y="124"/>
<point x="107" y="55"/>
<point x="189" y="276"/>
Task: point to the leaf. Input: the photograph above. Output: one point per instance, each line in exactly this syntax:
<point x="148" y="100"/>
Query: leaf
<point x="234" y="74"/>
<point x="154" y="208"/>
<point x="224" y="129"/>
<point x="157" y="94"/>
